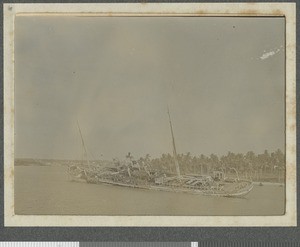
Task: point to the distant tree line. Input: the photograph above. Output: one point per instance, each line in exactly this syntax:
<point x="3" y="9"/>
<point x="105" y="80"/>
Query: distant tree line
<point x="256" y="166"/>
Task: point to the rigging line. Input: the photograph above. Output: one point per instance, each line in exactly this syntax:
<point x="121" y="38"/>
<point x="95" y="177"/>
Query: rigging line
<point x="82" y="141"/>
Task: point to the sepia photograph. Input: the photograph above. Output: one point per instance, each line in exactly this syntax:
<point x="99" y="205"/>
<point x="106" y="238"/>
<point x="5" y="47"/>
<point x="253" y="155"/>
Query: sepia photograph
<point x="151" y="115"/>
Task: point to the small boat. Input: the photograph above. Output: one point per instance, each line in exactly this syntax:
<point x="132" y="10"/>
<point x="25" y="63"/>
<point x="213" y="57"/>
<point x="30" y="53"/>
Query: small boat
<point x="77" y="174"/>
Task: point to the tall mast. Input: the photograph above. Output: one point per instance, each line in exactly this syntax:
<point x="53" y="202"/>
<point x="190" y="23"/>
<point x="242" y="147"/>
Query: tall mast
<point x="82" y="141"/>
<point x="174" y="147"/>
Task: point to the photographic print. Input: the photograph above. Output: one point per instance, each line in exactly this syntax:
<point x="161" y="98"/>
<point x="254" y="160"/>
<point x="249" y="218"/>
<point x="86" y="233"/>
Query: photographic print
<point x="132" y="115"/>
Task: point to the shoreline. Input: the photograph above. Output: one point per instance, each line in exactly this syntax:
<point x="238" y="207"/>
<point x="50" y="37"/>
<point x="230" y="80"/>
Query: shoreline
<point x="63" y="165"/>
<point x="268" y="183"/>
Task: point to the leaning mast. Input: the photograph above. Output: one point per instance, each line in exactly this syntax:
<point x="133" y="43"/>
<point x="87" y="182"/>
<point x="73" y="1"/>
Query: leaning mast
<point x="82" y="141"/>
<point x="174" y="147"/>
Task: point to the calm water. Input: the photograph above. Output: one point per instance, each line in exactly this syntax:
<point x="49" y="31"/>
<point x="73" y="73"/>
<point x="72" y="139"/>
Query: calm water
<point x="47" y="190"/>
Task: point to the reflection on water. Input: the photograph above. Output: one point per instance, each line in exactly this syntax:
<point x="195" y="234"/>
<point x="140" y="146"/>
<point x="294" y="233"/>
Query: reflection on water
<point x="47" y="190"/>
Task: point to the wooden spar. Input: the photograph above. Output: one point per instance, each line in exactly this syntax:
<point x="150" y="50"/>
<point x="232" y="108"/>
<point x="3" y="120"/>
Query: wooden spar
<point x="174" y="147"/>
<point x="82" y="141"/>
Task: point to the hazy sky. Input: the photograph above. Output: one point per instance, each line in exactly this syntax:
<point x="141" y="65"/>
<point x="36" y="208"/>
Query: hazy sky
<point x="223" y="79"/>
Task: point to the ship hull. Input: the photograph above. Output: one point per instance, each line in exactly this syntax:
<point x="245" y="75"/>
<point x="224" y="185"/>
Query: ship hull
<point x="239" y="193"/>
<point x="192" y="184"/>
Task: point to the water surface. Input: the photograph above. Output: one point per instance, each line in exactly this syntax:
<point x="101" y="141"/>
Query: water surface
<point x="41" y="190"/>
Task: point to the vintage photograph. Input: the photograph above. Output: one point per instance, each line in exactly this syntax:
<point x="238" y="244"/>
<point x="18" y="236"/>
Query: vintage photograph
<point x="149" y="115"/>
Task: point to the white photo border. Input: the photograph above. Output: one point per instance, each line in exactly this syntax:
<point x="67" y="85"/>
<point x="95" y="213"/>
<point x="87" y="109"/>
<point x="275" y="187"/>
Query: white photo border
<point x="287" y="10"/>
